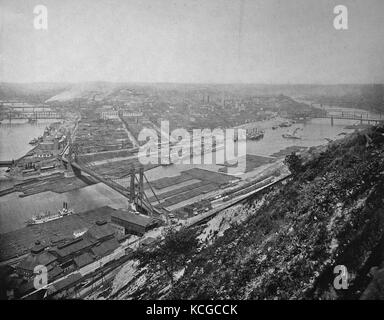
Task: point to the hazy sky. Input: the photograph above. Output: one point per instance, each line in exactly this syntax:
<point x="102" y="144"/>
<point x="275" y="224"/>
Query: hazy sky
<point x="224" y="41"/>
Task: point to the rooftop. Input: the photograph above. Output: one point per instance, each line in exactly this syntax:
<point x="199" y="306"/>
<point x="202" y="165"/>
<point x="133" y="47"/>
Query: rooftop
<point x="80" y="244"/>
<point x="83" y="260"/>
<point x="33" y="260"/>
<point x="101" y="231"/>
<point x="18" y="242"/>
<point x="56" y="271"/>
<point x="62" y="284"/>
<point x="138" y="219"/>
<point x="105" y="247"/>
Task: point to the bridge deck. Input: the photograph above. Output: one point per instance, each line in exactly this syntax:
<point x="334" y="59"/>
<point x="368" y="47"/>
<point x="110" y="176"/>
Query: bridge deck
<point x="6" y="163"/>
<point x="353" y="118"/>
<point x="114" y="185"/>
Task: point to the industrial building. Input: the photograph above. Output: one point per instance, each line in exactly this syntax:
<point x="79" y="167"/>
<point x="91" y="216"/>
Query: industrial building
<point x="131" y="222"/>
<point x="38" y="256"/>
<point x="66" y="256"/>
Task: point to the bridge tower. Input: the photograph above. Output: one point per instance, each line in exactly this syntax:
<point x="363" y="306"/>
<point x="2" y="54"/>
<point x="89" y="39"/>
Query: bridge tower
<point x="136" y="192"/>
<point x="72" y="157"/>
<point x="141" y="186"/>
<point x="132" y="186"/>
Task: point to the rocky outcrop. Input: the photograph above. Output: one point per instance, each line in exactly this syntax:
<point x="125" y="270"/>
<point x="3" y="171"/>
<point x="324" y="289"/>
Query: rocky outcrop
<point x="286" y="243"/>
<point x="331" y="213"/>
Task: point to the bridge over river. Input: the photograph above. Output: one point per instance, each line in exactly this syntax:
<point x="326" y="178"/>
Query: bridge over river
<point x="33" y="115"/>
<point x="135" y="193"/>
<point x="362" y="117"/>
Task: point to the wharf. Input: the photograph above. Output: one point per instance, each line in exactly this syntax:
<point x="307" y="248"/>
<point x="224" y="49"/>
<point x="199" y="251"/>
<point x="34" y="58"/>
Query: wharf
<point x="17" y="243"/>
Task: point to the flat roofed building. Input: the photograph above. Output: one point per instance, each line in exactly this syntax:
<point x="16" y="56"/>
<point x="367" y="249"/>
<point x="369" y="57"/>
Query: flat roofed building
<point x="133" y="223"/>
<point x="101" y="231"/>
<point x="83" y="260"/>
<point x="73" y="248"/>
<point x="65" y="286"/>
<point x="37" y="256"/>
<point x="26" y="267"/>
<point x="104" y="248"/>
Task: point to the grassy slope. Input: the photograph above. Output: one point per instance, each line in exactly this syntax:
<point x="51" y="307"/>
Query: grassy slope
<point x="329" y="214"/>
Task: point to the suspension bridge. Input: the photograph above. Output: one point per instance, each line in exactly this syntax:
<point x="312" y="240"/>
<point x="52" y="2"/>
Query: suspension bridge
<point x="135" y="192"/>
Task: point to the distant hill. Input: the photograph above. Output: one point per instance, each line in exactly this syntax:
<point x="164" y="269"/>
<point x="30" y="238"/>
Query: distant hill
<point x="87" y="90"/>
<point x="369" y="97"/>
<point x="364" y="96"/>
<point x="32" y="92"/>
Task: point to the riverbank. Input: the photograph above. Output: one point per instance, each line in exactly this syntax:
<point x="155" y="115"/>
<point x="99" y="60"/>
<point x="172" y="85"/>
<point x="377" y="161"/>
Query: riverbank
<point x="262" y="154"/>
<point x="15" y="137"/>
<point x="18" y="242"/>
<point x="286" y="244"/>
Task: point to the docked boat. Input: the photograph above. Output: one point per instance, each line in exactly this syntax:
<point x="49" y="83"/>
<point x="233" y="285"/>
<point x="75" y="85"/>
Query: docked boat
<point x="291" y="135"/>
<point x="33" y="141"/>
<point x="285" y="124"/>
<point x="255" y="134"/>
<point x="66" y="212"/>
<point x="46" y="217"/>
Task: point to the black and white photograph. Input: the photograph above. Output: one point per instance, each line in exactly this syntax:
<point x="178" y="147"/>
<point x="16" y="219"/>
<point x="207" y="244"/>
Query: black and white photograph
<point x="170" y="151"/>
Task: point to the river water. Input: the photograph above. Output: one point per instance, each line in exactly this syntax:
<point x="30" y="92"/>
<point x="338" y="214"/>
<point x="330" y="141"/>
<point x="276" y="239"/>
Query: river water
<point x="14" y="210"/>
<point x="14" y="138"/>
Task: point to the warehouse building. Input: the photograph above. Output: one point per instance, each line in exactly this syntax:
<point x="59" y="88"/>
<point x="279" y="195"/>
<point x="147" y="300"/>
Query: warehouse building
<point x="38" y="256"/>
<point x="131" y="222"/>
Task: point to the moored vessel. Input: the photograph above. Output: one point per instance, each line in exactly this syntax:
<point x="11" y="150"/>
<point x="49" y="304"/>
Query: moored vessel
<point x="34" y="141"/>
<point x="47" y="216"/>
<point x="291" y="135"/>
<point x="255" y="134"/>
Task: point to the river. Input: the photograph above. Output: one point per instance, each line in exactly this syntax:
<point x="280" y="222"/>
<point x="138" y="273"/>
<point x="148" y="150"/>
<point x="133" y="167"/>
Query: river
<point x="14" y="137"/>
<point x="14" y="211"/>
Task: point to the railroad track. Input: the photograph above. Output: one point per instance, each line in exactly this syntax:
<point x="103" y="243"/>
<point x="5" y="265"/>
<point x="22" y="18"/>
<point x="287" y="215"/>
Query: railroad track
<point x="230" y="203"/>
<point x="106" y="270"/>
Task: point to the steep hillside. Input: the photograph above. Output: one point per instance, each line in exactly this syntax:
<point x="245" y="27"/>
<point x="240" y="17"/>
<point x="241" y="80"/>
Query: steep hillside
<point x="331" y="213"/>
<point x="283" y="244"/>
